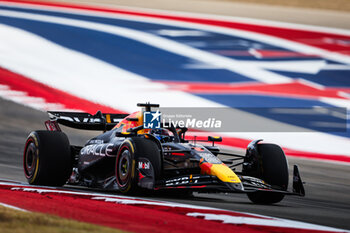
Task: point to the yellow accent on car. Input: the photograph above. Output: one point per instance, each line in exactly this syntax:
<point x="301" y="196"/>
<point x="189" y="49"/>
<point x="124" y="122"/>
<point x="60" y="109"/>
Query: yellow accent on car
<point x="133" y="168"/>
<point x="126" y="133"/>
<point x="131" y="145"/>
<point x="36" y="169"/>
<point x="224" y="173"/>
<point x="108" y="118"/>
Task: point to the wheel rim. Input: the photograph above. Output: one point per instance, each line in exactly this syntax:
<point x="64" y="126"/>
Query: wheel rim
<point x="124" y="168"/>
<point x="30" y="160"/>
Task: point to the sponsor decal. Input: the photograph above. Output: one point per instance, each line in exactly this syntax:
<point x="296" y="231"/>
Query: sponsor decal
<point x="144" y="165"/>
<point x="255" y="182"/>
<point x="52" y="125"/>
<point x="182" y="181"/>
<point x="95" y="141"/>
<point x="146" y="173"/>
<point x="209" y="157"/>
<point x="98" y="150"/>
<point x="87" y="119"/>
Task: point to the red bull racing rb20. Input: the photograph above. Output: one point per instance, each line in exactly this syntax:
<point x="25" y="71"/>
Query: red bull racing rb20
<point x="132" y="159"/>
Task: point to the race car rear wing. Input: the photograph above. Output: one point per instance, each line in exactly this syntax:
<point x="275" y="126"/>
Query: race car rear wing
<point x="81" y="120"/>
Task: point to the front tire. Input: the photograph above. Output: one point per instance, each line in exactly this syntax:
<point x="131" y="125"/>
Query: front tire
<point x="47" y="158"/>
<point x="274" y="171"/>
<point x="128" y="154"/>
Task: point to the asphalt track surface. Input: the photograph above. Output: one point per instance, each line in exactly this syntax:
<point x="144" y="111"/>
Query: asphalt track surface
<point x="327" y="200"/>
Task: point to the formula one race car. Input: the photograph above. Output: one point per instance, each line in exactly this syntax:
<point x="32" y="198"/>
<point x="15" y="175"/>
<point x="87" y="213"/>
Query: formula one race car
<point x="132" y="159"/>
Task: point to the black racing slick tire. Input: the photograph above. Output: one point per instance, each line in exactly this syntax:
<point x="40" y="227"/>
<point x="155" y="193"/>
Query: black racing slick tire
<point x="47" y="158"/>
<point x="129" y="152"/>
<point x="274" y="171"/>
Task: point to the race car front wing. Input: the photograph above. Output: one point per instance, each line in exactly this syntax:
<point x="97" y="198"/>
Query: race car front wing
<point x="208" y="183"/>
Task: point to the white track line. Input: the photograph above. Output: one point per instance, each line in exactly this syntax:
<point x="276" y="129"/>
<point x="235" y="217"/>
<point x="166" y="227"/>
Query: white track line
<point x="12" y="207"/>
<point x="272" y="222"/>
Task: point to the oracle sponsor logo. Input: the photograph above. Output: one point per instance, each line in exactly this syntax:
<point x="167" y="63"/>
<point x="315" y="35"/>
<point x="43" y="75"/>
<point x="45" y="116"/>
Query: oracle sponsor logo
<point x="98" y="150"/>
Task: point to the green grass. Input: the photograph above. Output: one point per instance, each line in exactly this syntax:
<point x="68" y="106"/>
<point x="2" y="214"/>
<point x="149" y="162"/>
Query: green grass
<point x="15" y="221"/>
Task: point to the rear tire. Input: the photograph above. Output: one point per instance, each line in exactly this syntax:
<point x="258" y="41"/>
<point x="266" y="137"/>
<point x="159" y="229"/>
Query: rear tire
<point x="274" y="171"/>
<point x="47" y="158"/>
<point x="129" y="152"/>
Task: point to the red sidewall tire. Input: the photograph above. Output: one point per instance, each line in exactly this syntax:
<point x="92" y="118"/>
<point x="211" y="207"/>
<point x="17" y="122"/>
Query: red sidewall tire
<point x="47" y="158"/>
<point x="127" y="185"/>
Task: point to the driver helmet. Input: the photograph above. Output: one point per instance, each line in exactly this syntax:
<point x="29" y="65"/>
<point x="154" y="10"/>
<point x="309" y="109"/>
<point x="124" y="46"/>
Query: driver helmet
<point x="160" y="134"/>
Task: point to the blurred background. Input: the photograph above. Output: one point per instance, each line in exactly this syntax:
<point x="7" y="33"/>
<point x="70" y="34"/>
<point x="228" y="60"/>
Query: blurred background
<point x="314" y="12"/>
